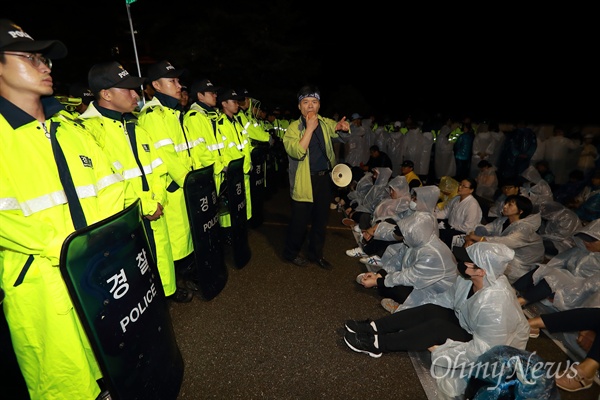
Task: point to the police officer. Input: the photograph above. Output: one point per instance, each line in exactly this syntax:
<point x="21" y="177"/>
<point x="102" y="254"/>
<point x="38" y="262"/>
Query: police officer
<point x="128" y="147"/>
<point x="161" y="117"/>
<point x="36" y="216"/>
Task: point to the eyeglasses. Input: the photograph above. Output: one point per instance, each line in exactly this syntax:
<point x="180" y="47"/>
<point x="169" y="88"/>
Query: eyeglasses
<point x="34" y="59"/>
<point x="463" y="186"/>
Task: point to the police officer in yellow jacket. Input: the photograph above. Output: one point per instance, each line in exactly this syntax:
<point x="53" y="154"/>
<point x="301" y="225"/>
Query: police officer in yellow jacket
<point x="161" y="117"/>
<point x="236" y="138"/>
<point x="129" y="148"/>
<point x="53" y="352"/>
<point x="200" y="122"/>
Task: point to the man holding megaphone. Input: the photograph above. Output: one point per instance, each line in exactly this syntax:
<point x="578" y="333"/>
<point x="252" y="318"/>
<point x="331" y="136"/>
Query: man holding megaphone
<point x="308" y="143"/>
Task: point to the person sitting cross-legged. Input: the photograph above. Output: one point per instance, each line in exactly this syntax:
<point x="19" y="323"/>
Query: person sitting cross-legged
<point x="478" y="312"/>
<point x="422" y="266"/>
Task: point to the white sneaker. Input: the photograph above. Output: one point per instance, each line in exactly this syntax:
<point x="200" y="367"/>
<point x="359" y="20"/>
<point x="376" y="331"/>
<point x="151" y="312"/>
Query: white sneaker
<point x="373" y="263"/>
<point x="390" y="305"/>
<point x="356" y="252"/>
<point x="372" y="260"/>
<point x="357" y="229"/>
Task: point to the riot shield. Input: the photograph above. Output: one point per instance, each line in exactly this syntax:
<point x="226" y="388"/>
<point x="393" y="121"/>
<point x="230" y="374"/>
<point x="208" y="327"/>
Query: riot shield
<point x="202" y="208"/>
<point x="116" y="289"/>
<point x="236" y="194"/>
<point x="257" y="184"/>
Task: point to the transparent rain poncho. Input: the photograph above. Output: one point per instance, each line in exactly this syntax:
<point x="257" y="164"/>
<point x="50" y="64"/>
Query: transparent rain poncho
<point x="537" y="189"/>
<point x="492" y="314"/>
<point x="573" y="275"/>
<point x="398" y="203"/>
<point x="520" y="236"/>
<point x="378" y="191"/>
<point x="559" y="223"/>
<point x="426" y="199"/>
<point x="421" y="261"/>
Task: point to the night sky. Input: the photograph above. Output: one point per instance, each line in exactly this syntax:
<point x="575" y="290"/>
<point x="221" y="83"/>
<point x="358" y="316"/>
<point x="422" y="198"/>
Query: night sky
<point x="392" y="62"/>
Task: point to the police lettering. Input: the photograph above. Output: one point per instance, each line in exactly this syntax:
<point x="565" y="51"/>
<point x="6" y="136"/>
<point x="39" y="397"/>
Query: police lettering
<point x="142" y="261"/>
<point x="19" y="34"/>
<point x="139" y="309"/>
<point x="241" y="205"/>
<point x="120" y="285"/>
<point x="210" y="223"/>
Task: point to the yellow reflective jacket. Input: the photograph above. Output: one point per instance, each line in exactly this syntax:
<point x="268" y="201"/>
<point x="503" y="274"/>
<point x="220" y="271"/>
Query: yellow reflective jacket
<point x="112" y="136"/>
<point x="54" y="354"/>
<point x="163" y="125"/>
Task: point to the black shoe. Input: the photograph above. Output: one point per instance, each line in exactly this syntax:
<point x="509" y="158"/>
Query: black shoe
<point x="360" y="326"/>
<point x="323" y="263"/>
<point x="192" y="286"/>
<point x="182" y="295"/>
<point x="299" y="261"/>
<point x="362" y="343"/>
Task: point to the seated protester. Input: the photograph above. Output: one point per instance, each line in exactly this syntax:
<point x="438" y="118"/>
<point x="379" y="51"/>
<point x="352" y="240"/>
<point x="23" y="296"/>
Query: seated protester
<point x="587" y="202"/>
<point x="578" y="376"/>
<point x="516" y="229"/>
<point x="559" y="224"/>
<point x="508" y="187"/>
<point x="478" y="312"/>
<point x="537" y="189"/>
<point x="565" y="275"/>
<point x="448" y="189"/>
<point x="422" y="199"/>
<point x="363" y="207"/>
<point x="462" y="213"/>
<point x="377" y="159"/>
<point x="388" y="209"/>
<point x="407" y="168"/>
<point x="487" y="181"/>
<point x="422" y="267"/>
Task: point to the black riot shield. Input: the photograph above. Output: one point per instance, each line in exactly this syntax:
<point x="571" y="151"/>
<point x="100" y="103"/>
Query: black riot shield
<point x="116" y="289"/>
<point x="236" y="194"/>
<point x="202" y="207"/>
<point x="257" y="184"/>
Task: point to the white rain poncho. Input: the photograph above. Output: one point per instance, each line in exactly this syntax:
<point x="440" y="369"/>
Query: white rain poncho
<point x="559" y="224"/>
<point x="492" y="315"/>
<point x="520" y="236"/>
<point x="357" y="146"/>
<point x="363" y="186"/>
<point x="483" y="145"/>
<point x="395" y="146"/>
<point x="422" y="261"/>
<point x="537" y="189"/>
<point x="390" y="208"/>
<point x="378" y="192"/>
<point x="426" y="200"/>
<point x="445" y="164"/>
<point x="463" y="215"/>
<point x="569" y="274"/>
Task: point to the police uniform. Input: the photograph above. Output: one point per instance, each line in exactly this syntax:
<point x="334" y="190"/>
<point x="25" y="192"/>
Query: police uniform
<point x="52" y="349"/>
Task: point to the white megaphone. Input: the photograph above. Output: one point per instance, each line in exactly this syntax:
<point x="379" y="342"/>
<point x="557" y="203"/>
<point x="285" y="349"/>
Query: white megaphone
<point x="341" y="175"/>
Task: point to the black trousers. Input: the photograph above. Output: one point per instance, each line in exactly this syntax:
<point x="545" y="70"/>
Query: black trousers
<point x="530" y="292"/>
<point x="418" y="328"/>
<point x="577" y="319"/>
<point x="315" y="214"/>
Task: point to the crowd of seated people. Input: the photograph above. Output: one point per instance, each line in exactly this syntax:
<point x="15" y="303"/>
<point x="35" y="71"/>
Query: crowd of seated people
<point x="544" y="250"/>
